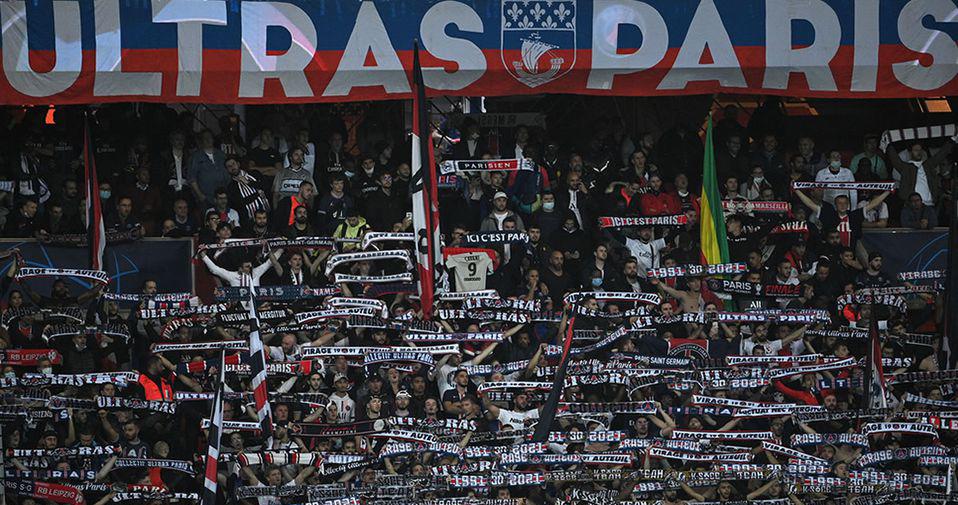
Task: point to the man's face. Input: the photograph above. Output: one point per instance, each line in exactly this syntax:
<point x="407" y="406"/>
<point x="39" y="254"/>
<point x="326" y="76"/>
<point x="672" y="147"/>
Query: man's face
<point x="784" y="269"/>
<point x="386" y="181"/>
<point x="731" y="185"/>
<point x="522" y="401"/>
<point x="601" y="252"/>
<point x="842" y="203"/>
<point x="369" y="164"/>
<point x="754" y="259"/>
<point x="221" y="201"/>
<point x="403" y="170"/>
<point x="574" y="181"/>
<point x="177" y="140"/>
<point x="233" y="167"/>
<point x="535" y="234"/>
<point x="875" y="264"/>
<point x="914" y="201"/>
<point x="30" y="209"/>
<point x="70" y="189"/>
<point x="149" y="287"/>
<point x="645" y="234"/>
<point x="60" y="289"/>
<point x="260" y="219"/>
<point x="462" y="378"/>
<point x="833" y="238"/>
<point x="917" y="152"/>
<point x="301" y="216"/>
<point x="509" y="226"/>
<point x="56" y="212"/>
<point x="681" y="182"/>
<point x="274" y="477"/>
<point x="180" y="208"/>
<point x="337" y="185"/>
<point x="336" y="141"/>
<point x="770" y="143"/>
<point x="296" y="156"/>
<point x="130" y="431"/>
<point x="656" y="183"/>
<point x="556" y="260"/>
<point x="806" y="145"/>
<point x="499" y="204"/>
<point x="289" y="343"/>
<point x="630" y="270"/>
<point x="734" y="145"/>
<point x="124" y="207"/>
<point x="296" y="261"/>
<point x="375" y="405"/>
<point x="306" y="191"/>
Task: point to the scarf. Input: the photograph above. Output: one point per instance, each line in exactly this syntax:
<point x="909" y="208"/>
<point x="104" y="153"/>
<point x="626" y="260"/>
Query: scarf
<point x="249" y="196"/>
<point x="489" y="336"/>
<point x="378" y="357"/>
<point x="621" y="222"/>
<point x="319" y="315"/>
<point x="165" y="464"/>
<point x="731" y="457"/>
<point x="96" y="276"/>
<point x="110" y="402"/>
<point x="922" y="275"/>
<point x="755" y="289"/>
<point x="920" y="133"/>
<point x="792" y="453"/>
<point x="723" y="435"/>
<point x="914" y="428"/>
<point x="853" y="186"/>
<point x="495" y="237"/>
<point x="59" y="493"/>
<point x="29" y="357"/>
<point x="231" y="345"/>
<point x="806" y="439"/>
<point x="289" y="293"/>
<point x="343" y="258"/>
<point x="696" y="270"/>
<point x="383" y="236"/>
<point x="372" y="279"/>
<point x="510" y="165"/>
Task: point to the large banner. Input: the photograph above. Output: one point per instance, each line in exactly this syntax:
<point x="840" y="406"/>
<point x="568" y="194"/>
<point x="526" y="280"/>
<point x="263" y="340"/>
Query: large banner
<point x="909" y="250"/>
<point x="242" y="51"/>
<point x="128" y="264"/>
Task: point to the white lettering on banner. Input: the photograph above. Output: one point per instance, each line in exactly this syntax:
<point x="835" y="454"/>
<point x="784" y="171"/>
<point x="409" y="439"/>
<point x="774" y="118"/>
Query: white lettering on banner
<point x="781" y="59"/>
<point x="706" y="31"/>
<point x="915" y="36"/>
<point x="865" y="64"/>
<point x="256" y="65"/>
<point x="465" y="53"/>
<point x="68" y="53"/>
<point x="607" y="16"/>
<point x="369" y="36"/>
<point x="110" y="79"/>
<point x="189" y="16"/>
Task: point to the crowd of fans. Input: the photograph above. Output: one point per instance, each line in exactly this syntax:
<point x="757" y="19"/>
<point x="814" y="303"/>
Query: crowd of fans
<point x="297" y="182"/>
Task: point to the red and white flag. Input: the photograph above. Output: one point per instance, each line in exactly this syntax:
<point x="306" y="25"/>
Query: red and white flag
<point x="422" y="187"/>
<point x="213" y="438"/>
<point x="96" y="233"/>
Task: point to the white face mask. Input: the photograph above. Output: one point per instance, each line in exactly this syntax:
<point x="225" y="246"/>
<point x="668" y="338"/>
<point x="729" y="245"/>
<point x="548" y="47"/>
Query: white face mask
<point x="835" y="165"/>
<point x="548" y="205"/>
<point x="46" y="370"/>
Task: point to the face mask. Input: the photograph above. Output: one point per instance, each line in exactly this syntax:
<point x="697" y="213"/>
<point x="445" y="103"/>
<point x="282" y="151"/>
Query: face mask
<point x="596" y="282"/>
<point x="548" y="205"/>
<point x="835" y="164"/>
<point x="759" y="179"/>
<point x="46" y="370"/>
<point x="104" y="195"/>
<point x="80" y="347"/>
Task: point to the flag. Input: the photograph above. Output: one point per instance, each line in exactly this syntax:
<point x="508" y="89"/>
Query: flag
<point x="257" y="364"/>
<point x="422" y="187"/>
<point x="874" y="374"/>
<point x="96" y="234"/>
<point x="549" y="408"/>
<point x="713" y="232"/>
<point x="950" y="335"/>
<point x="213" y="439"/>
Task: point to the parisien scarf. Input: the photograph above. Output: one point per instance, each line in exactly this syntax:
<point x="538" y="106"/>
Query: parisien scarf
<point x="620" y="222"/>
<point x="853" y="186"/>
<point x="97" y="276"/>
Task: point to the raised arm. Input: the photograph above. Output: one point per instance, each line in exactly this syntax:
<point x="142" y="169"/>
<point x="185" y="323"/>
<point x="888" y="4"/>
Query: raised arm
<point x="875" y="202"/>
<point x="808" y="201"/>
<point x="215" y="269"/>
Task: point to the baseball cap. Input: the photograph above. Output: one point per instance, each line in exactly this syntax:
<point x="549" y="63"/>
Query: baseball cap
<point x="339" y="375"/>
<point x="499" y="194"/>
<point x="403" y="394"/>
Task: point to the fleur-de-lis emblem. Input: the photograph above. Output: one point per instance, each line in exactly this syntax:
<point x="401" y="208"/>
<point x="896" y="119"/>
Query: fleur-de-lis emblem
<point x="514" y="12"/>
<point x="537" y="12"/>
<point x="550" y="23"/>
<point x="525" y="23"/>
<point x="561" y="12"/>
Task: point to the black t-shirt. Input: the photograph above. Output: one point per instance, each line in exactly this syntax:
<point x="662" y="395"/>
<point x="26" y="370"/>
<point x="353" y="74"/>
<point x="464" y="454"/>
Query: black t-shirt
<point x="264" y="157"/>
<point x="849" y="227"/>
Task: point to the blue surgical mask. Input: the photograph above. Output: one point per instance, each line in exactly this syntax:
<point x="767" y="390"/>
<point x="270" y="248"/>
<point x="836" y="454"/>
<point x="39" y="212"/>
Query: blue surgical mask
<point x="836" y="164"/>
<point x="104" y="194"/>
<point x="548" y="205"/>
<point x="596" y="282"/>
